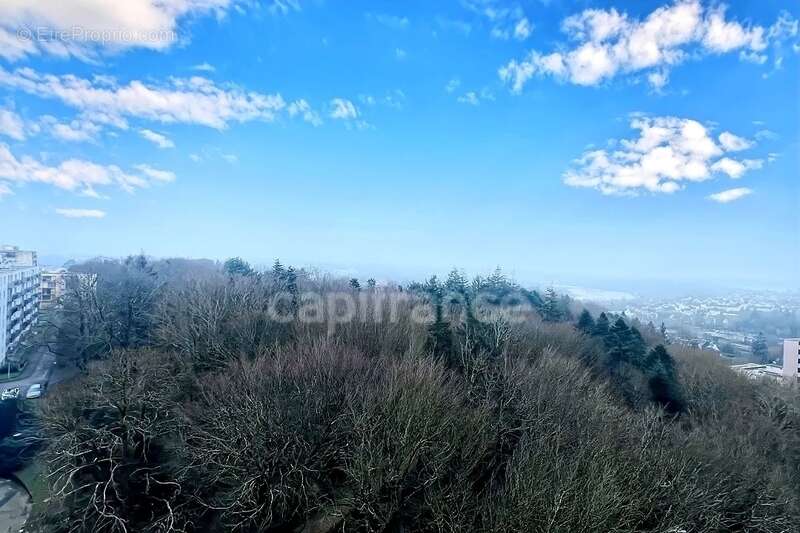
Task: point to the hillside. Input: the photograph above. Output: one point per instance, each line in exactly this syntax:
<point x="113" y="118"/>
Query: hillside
<point x="224" y="399"/>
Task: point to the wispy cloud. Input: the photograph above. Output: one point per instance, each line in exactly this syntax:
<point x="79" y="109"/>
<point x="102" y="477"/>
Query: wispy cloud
<point x="81" y="213"/>
<point x="506" y="20"/>
<point x="343" y="109"/>
<point x="194" y="100"/>
<point x="730" y="195"/>
<point x="303" y="108"/>
<point x="162" y="141"/>
<point x="204" y="67"/>
<point x="12" y="125"/>
<point x="156" y="174"/>
<point x="76" y="175"/>
<point x="470" y="97"/>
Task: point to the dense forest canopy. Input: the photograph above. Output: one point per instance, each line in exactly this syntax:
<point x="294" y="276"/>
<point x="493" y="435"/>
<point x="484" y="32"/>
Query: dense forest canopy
<point x="221" y="398"/>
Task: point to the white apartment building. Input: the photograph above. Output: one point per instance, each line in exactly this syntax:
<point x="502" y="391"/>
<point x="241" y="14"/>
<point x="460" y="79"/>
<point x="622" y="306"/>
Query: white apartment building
<point x="791" y="359"/>
<point x="19" y="296"/>
<point x="53" y="286"/>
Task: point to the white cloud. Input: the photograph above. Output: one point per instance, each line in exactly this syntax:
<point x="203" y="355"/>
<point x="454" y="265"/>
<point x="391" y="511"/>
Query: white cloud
<point x="736" y="169"/>
<point x="658" y="79"/>
<point x="81" y="213"/>
<point x="452" y="85"/>
<point x="194" y="100"/>
<point x="162" y="141"/>
<point x="86" y="28"/>
<point x="74" y="175"/>
<point x="506" y="20"/>
<point x="12" y="125"/>
<point x="722" y="36"/>
<point x="343" y="109"/>
<point x="470" y="98"/>
<point x="303" y="108"/>
<point x="204" y="67"/>
<point x="668" y="153"/>
<point x="608" y="43"/>
<point x="283" y="7"/>
<point x="733" y="143"/>
<point x="766" y="135"/>
<point x="730" y="195"/>
<point x="78" y="130"/>
<point x="523" y="29"/>
<point x="156" y="174"/>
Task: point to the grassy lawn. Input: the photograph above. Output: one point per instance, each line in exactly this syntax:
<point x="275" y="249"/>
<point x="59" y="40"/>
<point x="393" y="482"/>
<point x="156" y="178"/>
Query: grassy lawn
<point x="32" y="476"/>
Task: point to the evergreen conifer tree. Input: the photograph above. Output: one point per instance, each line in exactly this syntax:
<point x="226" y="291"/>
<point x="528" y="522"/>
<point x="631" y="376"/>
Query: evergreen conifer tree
<point x="586" y="322"/>
<point x="440" y="340"/>
<point x="601" y="326"/>
<point x="663" y="381"/>
<point x="551" y="309"/>
<point x="636" y="348"/>
<point x="238" y="267"/>
<point x="278" y="272"/>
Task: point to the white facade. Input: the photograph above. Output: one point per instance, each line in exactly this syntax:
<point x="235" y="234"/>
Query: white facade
<point x="791" y="359"/>
<point x="19" y="306"/>
<point x="755" y="371"/>
<point x="13" y="257"/>
<point x="53" y="286"/>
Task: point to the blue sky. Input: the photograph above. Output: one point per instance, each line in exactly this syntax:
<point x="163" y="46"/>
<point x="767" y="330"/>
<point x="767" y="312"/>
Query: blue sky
<point x="585" y="142"/>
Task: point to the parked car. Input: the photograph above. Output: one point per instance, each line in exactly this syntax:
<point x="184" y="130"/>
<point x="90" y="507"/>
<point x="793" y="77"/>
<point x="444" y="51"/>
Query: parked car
<point x="10" y="394"/>
<point x="36" y="390"/>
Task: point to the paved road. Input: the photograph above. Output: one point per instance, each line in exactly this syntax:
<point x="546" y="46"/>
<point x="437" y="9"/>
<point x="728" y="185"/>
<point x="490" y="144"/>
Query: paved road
<point x="15" y="506"/>
<point x="38" y="370"/>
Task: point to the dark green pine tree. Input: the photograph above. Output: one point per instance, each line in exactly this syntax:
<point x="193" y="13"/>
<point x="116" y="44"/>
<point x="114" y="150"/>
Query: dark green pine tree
<point x="236" y="266"/>
<point x="586" y="322"/>
<point x="291" y="287"/>
<point x="663" y="381"/>
<point x="456" y="282"/>
<point x="617" y="342"/>
<point x="636" y="348"/>
<point x="551" y="309"/>
<point x="440" y="339"/>
<point x="759" y="348"/>
<point x="663" y="331"/>
<point x="278" y="272"/>
<point x="371" y="283"/>
<point x="354" y="284"/>
<point x="601" y="326"/>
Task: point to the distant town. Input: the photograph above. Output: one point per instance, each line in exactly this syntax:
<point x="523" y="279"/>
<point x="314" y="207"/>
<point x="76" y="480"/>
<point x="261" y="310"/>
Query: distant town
<point x="756" y="331"/>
